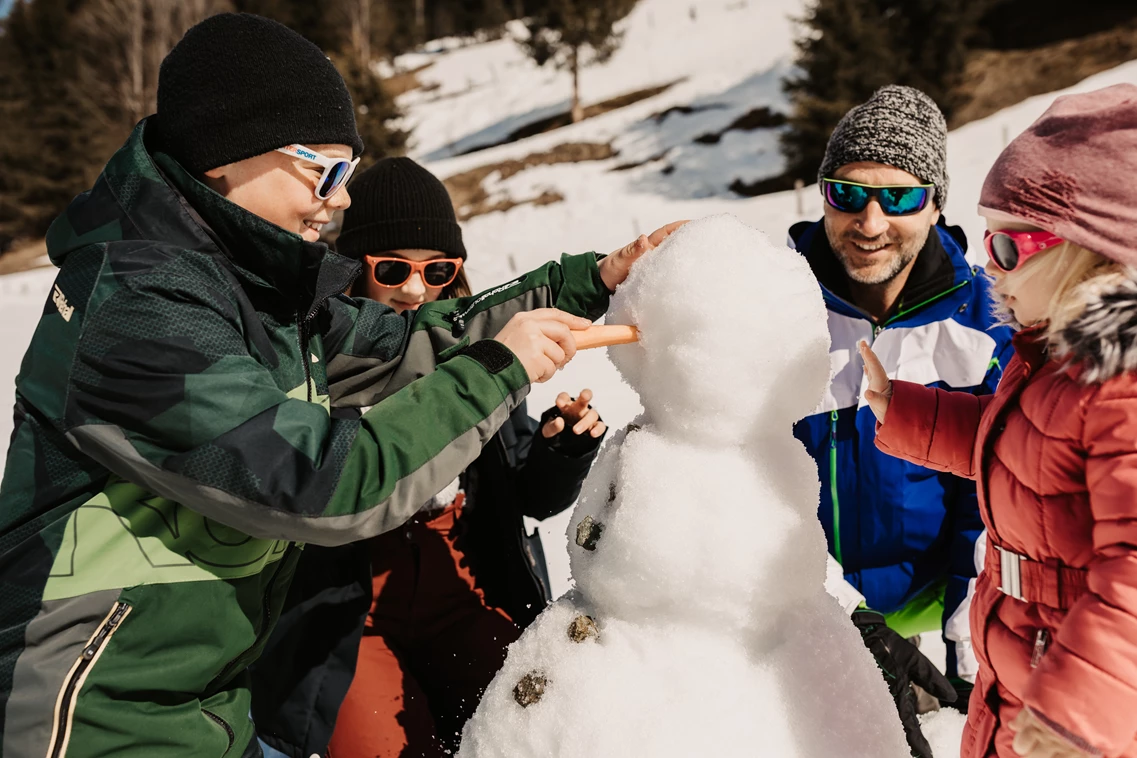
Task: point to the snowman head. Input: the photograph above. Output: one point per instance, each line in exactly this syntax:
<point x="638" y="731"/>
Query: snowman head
<point x="733" y="334"/>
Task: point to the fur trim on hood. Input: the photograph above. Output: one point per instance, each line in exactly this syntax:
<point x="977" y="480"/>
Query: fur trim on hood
<point x="1102" y="341"/>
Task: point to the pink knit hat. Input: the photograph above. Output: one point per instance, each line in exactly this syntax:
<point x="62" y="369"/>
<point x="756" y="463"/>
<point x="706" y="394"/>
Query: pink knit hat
<point x="1074" y="173"/>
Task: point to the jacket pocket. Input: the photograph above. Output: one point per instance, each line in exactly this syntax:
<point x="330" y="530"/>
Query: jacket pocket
<point x="223" y="725"/>
<point x="73" y="682"/>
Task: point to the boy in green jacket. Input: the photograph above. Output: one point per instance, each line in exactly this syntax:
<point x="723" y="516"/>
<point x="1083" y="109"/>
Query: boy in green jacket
<point x="177" y="437"/>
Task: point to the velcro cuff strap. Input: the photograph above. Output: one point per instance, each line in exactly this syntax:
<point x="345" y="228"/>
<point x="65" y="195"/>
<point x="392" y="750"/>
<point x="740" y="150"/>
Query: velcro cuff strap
<point x="493" y="355"/>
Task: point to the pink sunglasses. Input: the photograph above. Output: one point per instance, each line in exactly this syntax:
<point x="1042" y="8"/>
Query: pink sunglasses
<point x="1009" y="249"/>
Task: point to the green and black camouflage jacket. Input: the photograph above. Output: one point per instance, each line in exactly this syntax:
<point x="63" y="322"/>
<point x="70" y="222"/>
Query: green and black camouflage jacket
<point x="177" y="441"/>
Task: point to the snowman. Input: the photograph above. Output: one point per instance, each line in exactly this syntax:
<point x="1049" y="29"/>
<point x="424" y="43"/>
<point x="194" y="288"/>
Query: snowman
<point x="699" y="624"/>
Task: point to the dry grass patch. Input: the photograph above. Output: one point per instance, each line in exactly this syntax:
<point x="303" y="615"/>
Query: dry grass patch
<point x="405" y="81"/>
<point x="995" y="79"/>
<point x="25" y="258"/>
<point x="564" y="118"/>
<point x="471" y="199"/>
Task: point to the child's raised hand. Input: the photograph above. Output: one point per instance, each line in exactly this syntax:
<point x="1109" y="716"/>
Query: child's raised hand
<point x="879" y="392"/>
<point x="614" y="268"/>
<point x="576" y="412"/>
<point x="1033" y="739"/>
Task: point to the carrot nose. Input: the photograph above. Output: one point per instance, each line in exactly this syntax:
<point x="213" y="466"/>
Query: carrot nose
<point x="603" y="336"/>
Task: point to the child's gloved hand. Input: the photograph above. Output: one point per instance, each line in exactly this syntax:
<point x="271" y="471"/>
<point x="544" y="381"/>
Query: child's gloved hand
<point x="902" y="665"/>
<point x="879" y="393"/>
<point x="578" y="413"/>
<point x="1034" y="739"/>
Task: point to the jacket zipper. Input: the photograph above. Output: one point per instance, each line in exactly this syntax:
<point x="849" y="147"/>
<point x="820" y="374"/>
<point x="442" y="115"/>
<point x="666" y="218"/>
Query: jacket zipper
<point x="833" y="486"/>
<point x="266" y="613"/>
<point x="876" y="330"/>
<point x="222" y="723"/>
<point x="65" y="705"/>
<point x="305" y="357"/>
<point x="1041" y="642"/>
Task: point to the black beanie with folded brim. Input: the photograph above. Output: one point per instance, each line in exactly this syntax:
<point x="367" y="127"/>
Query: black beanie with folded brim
<point x="239" y="85"/>
<point x="399" y="205"/>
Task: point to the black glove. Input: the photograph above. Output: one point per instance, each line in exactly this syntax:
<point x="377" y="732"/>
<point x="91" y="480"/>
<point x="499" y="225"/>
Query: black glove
<point x="567" y="443"/>
<point x="903" y="665"/>
<point x="963" y="690"/>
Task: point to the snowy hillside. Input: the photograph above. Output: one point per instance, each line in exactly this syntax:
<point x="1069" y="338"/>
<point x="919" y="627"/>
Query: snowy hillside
<point x="728" y="61"/>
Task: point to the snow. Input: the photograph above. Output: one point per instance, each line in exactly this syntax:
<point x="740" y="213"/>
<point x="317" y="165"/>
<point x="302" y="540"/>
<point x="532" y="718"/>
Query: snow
<point x="695" y="544"/>
<point x="22" y="298"/>
<point x="944" y="731"/>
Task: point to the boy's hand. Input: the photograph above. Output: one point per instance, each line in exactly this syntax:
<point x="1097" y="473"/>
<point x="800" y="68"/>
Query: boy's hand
<point x="542" y="340"/>
<point x="614" y="269"/>
<point x="879" y="393"/>
<point x="576" y="412"/>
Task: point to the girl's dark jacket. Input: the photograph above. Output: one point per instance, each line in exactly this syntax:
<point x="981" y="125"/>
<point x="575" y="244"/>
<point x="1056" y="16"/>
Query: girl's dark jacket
<point x="304" y="673"/>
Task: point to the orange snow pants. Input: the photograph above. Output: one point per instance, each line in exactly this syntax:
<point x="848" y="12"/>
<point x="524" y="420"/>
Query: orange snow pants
<point x="430" y="648"/>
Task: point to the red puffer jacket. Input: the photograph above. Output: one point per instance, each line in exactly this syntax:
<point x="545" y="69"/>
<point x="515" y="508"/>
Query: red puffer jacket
<point x="1054" y="453"/>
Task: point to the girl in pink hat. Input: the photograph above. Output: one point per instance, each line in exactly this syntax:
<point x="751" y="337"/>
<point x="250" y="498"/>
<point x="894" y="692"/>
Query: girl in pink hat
<point x="1054" y="450"/>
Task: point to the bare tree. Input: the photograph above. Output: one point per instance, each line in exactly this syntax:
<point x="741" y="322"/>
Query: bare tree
<point x="574" y="33"/>
<point x="122" y="44"/>
<point x="359" y="16"/>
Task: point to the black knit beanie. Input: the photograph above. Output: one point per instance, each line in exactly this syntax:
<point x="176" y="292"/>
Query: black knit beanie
<point x="399" y="205"/>
<point x="239" y="85"/>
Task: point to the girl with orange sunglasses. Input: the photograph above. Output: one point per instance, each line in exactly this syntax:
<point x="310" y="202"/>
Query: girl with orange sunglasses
<point x="452" y="588"/>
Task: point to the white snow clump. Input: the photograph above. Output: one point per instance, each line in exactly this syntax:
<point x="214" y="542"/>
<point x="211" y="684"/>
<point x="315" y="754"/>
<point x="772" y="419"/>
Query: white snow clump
<point x="699" y="625"/>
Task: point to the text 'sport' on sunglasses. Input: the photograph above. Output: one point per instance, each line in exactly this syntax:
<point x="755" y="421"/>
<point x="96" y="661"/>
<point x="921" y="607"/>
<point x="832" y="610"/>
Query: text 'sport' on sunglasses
<point x="393" y="272"/>
<point x="1011" y="249"/>
<point x="336" y="170"/>
<point x="895" y="200"/>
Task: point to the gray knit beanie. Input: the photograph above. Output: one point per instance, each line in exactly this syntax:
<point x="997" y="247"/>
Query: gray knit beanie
<point x="897" y="126"/>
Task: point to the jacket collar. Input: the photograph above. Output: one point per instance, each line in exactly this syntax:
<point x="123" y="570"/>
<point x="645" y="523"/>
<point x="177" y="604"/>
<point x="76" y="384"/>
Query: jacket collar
<point x="145" y="196"/>
<point x="1032" y="346"/>
<point x="269" y="255"/>
<point x="941" y="266"/>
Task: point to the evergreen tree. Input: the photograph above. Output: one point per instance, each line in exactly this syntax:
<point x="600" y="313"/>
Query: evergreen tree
<point x="851" y="48"/>
<point x="933" y="38"/>
<point x="573" y="33"/>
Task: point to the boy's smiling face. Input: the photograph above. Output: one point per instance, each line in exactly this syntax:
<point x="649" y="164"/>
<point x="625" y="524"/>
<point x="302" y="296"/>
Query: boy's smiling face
<point x="282" y="189"/>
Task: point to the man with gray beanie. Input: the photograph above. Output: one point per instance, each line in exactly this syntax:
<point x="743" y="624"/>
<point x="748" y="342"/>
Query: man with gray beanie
<point x="901" y="537"/>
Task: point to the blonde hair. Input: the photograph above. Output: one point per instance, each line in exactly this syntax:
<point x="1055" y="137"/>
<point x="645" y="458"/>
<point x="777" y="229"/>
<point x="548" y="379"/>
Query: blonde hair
<point x="1081" y="275"/>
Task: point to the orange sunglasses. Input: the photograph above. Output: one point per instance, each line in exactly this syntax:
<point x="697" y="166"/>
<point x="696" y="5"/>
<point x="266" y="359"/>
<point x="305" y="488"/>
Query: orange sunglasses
<point x="395" y="272"/>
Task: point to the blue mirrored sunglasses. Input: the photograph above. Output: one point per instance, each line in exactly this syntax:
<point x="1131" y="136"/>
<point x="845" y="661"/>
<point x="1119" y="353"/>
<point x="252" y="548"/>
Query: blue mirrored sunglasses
<point x="895" y="200"/>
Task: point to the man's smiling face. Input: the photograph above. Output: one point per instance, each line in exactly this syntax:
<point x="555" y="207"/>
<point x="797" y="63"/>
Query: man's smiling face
<point x="875" y="248"/>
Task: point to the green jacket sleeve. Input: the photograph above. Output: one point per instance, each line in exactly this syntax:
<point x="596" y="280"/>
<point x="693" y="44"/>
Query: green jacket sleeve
<point x="165" y="392"/>
<point x="376" y="351"/>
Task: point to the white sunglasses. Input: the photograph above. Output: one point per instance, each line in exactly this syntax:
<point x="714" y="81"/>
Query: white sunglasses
<point x="336" y="170"/>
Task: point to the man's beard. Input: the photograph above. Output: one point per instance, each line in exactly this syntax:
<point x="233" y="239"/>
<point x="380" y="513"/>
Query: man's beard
<point x="880" y="274"/>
